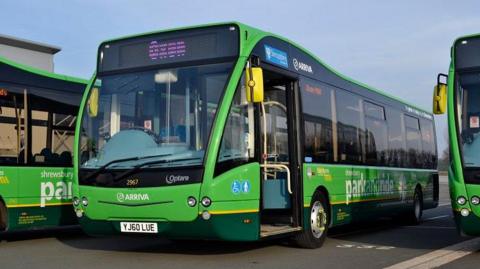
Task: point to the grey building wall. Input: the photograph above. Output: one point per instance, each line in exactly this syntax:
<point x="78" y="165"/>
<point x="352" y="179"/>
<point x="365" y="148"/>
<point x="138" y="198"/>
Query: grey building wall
<point x="28" y="52"/>
<point x="36" y="59"/>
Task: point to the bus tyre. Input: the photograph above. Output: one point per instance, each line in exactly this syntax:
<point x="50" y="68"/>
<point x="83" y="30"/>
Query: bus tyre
<point x="415" y="215"/>
<point x="3" y="217"/>
<point x="315" y="233"/>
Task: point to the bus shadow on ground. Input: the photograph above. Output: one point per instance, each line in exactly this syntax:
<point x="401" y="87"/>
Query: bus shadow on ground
<point x="385" y="232"/>
<point x="145" y="244"/>
<point x="60" y="232"/>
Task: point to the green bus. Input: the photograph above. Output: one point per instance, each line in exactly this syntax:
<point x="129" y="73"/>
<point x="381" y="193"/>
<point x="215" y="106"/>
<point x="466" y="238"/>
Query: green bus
<point x="227" y="132"/>
<point x="463" y="110"/>
<point x="38" y="111"/>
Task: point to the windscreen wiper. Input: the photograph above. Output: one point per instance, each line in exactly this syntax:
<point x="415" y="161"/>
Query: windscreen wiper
<point x="139" y="166"/>
<point x="103" y="167"/>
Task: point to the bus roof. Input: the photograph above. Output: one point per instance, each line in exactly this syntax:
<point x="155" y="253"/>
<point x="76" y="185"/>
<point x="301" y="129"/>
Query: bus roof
<point x="466" y="36"/>
<point x="256" y="35"/>
<point x="40" y="72"/>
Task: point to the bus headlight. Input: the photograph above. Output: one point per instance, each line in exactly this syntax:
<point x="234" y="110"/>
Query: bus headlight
<point x="464" y="212"/>
<point x="76" y="201"/>
<point x="191" y="201"/>
<point x="461" y="200"/>
<point x="206" y="202"/>
<point x="84" y="201"/>
<point x="475" y="200"/>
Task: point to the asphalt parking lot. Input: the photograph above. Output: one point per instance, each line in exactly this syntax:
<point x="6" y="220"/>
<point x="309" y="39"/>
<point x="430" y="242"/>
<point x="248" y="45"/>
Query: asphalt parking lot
<point x="379" y="244"/>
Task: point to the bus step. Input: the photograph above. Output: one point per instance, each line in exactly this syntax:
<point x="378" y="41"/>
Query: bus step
<point x="269" y="230"/>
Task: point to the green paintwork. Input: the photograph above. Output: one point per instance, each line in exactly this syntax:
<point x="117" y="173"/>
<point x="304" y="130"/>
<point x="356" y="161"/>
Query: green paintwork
<point x="21" y="187"/>
<point x="226" y="227"/>
<point x="235" y="216"/>
<point x="352" y="195"/>
<point x="37" y="196"/>
<point x="41" y="72"/>
<point x="466" y="225"/>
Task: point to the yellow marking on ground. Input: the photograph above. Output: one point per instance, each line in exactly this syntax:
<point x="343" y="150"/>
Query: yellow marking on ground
<point x="37" y="205"/>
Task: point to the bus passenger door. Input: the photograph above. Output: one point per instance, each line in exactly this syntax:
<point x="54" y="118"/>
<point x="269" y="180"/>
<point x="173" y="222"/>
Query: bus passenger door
<point x="279" y="165"/>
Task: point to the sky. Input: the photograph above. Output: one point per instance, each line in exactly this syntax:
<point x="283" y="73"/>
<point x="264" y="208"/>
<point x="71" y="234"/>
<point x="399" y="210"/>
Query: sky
<point x="396" y="46"/>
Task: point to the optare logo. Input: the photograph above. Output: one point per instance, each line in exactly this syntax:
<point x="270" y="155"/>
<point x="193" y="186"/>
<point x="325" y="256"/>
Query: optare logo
<point x="171" y="179"/>
<point x="120" y="197"/>
<point x="302" y="66"/>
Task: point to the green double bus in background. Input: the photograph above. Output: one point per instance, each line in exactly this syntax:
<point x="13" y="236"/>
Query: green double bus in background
<point x="38" y="111"/>
<point x="228" y="132"/>
<point x="463" y="106"/>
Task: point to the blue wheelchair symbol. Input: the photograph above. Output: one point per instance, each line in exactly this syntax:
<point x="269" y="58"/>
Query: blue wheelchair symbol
<point x="236" y="187"/>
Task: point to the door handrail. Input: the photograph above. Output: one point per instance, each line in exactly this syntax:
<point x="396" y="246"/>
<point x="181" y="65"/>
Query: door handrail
<point x="281" y="167"/>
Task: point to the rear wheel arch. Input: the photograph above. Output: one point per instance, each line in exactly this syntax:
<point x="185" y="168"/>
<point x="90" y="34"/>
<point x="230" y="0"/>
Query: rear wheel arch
<point x="418" y="188"/>
<point x="325" y="193"/>
<point x="415" y="213"/>
<point x="3" y="215"/>
<point x="314" y="235"/>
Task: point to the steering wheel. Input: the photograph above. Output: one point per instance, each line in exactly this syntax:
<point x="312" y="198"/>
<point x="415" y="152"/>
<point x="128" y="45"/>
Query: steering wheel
<point x="151" y="133"/>
<point x="467" y="136"/>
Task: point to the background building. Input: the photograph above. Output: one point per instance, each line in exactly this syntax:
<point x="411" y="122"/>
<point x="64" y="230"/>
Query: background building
<point x="28" y="52"/>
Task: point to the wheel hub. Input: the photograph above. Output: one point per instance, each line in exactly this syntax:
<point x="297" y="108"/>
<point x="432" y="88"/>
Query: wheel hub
<point x="318" y="218"/>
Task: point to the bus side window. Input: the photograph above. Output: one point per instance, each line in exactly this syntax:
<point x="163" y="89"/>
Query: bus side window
<point x="396" y="138"/>
<point x="350" y="131"/>
<point x="376" y="134"/>
<point x="318" y="128"/>
<point x="428" y="144"/>
<point x="414" y="142"/>
<point x="52" y="133"/>
<point x="9" y="146"/>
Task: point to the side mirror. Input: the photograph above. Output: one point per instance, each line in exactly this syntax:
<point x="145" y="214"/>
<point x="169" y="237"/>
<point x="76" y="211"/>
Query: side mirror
<point x="254" y="83"/>
<point x="440" y="96"/>
<point x="440" y="99"/>
<point x="93" y="103"/>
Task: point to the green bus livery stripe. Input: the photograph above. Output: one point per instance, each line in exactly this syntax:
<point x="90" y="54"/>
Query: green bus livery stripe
<point x="357" y="201"/>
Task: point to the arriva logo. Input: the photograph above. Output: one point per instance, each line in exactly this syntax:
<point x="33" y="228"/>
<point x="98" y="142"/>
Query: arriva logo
<point x="59" y="191"/>
<point x="170" y="179"/>
<point x="302" y="66"/>
<point x="122" y="197"/>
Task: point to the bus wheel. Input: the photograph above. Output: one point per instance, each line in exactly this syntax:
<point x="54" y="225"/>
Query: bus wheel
<point x="315" y="234"/>
<point x="3" y="217"/>
<point x="415" y="215"/>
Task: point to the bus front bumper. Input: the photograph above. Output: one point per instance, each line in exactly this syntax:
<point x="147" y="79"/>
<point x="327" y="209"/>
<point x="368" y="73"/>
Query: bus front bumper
<point x="469" y="225"/>
<point x="231" y="227"/>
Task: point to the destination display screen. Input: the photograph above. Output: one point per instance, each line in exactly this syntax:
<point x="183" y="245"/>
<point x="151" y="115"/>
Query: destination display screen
<point x="467" y="53"/>
<point x="158" y="50"/>
<point x="170" y="47"/>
